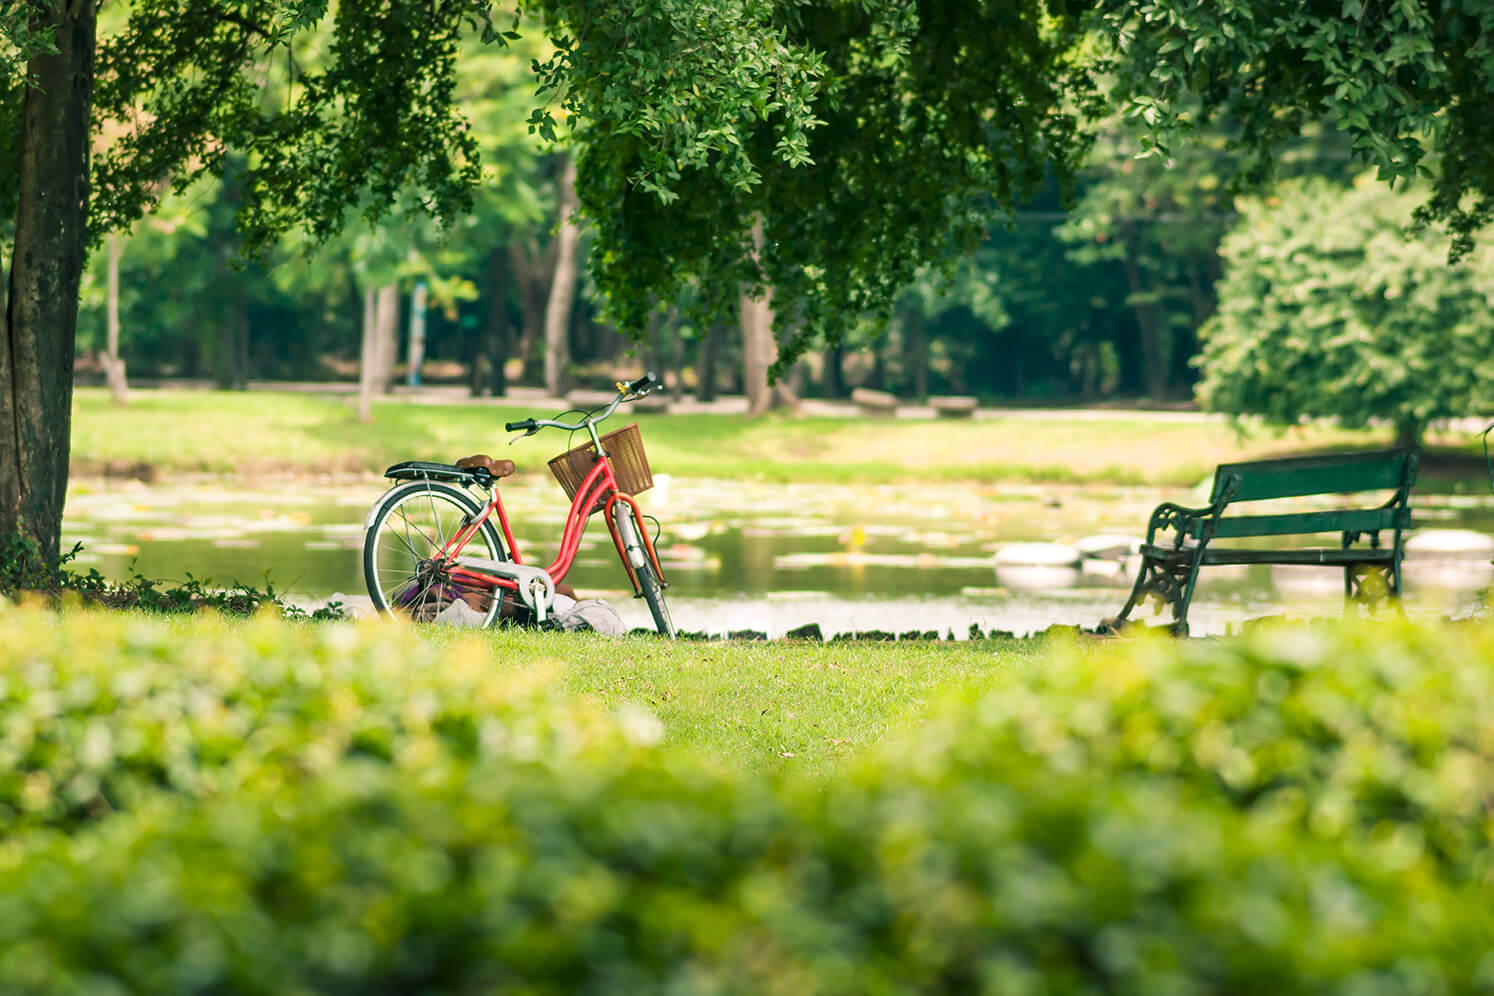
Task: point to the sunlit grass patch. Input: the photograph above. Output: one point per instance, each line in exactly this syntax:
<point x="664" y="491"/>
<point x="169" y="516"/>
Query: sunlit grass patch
<point x="226" y="432"/>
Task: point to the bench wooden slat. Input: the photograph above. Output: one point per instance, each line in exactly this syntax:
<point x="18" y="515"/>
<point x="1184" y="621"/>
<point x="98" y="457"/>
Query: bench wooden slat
<point x="1218" y="555"/>
<point x="1340" y="473"/>
<point x="1307" y="555"/>
<point x="1288" y="523"/>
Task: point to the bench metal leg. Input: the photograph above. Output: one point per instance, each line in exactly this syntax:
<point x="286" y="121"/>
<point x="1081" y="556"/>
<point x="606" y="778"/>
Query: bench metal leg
<point x="1171" y="584"/>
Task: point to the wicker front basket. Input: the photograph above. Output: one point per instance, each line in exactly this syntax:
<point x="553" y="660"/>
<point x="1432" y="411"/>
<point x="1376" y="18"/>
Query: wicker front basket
<point x="629" y="463"/>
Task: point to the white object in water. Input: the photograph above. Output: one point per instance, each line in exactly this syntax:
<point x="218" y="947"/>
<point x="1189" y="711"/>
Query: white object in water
<point x="1032" y="566"/>
<point x="1028" y="577"/>
<point x="1449" y="544"/>
<point x="1037" y="555"/>
<point x="1455" y="575"/>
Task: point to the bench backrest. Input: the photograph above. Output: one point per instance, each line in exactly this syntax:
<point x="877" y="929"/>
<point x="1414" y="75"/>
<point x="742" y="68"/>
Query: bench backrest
<point x="1295" y="477"/>
<point x="1338" y="473"/>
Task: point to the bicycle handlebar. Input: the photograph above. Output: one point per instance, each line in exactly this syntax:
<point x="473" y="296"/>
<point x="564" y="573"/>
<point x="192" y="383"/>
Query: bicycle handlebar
<point x="625" y="392"/>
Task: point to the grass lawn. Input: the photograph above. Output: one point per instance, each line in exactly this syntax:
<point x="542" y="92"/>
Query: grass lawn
<point x="267" y="432"/>
<point x="753" y="706"/>
<point x="743" y="708"/>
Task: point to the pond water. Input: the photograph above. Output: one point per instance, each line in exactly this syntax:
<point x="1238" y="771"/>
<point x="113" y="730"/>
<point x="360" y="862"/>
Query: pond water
<point x="752" y="556"/>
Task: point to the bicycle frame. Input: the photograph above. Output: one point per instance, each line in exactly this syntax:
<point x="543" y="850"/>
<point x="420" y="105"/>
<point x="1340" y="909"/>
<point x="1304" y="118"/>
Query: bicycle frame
<point x="598" y="489"/>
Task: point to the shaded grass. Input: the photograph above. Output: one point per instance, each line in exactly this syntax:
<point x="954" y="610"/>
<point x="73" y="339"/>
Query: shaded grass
<point x="259" y="432"/>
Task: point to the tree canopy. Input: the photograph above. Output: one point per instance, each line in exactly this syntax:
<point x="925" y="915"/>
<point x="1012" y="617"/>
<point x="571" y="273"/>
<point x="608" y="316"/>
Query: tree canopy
<point x="1411" y="81"/>
<point x="868" y="139"/>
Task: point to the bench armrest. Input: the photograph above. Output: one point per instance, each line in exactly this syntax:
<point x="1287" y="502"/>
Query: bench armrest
<point x="1170" y="515"/>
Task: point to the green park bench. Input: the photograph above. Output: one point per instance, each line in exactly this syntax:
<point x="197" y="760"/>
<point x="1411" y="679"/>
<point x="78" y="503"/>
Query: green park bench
<point x="1169" y="569"/>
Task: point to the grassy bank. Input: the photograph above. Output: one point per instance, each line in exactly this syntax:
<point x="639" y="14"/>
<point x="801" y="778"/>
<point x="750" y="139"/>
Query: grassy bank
<point x="263" y="432"/>
<point x="200" y="806"/>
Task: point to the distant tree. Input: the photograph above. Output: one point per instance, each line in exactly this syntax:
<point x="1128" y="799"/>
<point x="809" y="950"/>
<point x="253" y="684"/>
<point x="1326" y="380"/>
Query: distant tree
<point x="1329" y="307"/>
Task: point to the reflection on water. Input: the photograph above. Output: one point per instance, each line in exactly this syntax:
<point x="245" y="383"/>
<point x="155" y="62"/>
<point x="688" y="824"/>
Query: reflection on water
<point x="761" y="556"/>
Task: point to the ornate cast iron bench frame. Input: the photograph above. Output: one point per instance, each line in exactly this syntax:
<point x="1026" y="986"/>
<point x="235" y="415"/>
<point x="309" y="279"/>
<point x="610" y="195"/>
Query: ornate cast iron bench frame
<point x="1169" y="571"/>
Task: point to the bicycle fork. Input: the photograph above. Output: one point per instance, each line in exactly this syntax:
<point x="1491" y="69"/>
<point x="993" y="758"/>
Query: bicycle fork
<point x="623" y="521"/>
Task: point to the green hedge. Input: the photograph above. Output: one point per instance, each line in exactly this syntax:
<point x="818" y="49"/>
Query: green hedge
<point x="98" y="707"/>
<point x="634" y="876"/>
<point x="1300" y="810"/>
<point x="1377" y="735"/>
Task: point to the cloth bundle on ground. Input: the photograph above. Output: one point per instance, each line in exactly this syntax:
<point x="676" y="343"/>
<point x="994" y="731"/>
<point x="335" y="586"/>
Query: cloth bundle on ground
<point x="572" y="615"/>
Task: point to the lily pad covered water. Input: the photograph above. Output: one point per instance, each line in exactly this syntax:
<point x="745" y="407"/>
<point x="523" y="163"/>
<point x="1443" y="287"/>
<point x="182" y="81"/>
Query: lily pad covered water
<point x="755" y="556"/>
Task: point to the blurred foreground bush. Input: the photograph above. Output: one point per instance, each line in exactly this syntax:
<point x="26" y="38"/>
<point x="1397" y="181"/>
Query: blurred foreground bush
<point x="97" y="708"/>
<point x="1300" y="810"/>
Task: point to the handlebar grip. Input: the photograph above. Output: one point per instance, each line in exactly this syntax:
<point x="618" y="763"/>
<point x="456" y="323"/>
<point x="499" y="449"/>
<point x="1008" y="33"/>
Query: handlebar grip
<point x="649" y="379"/>
<point x="523" y="425"/>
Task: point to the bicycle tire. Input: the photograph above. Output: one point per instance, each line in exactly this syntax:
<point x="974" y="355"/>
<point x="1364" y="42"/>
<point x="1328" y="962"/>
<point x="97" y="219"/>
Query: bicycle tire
<point x="653" y="594"/>
<point x="379" y="581"/>
<point x="649" y="586"/>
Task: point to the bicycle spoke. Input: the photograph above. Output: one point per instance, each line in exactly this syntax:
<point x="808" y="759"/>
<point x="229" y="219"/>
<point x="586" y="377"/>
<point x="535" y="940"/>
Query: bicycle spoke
<point x="431" y="500"/>
<point x="423" y="534"/>
<point x="407" y="568"/>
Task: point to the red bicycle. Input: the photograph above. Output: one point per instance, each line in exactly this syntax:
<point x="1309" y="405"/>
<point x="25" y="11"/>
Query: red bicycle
<point x="430" y="544"/>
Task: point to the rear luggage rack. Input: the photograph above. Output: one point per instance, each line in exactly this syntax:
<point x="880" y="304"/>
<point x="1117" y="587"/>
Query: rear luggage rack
<point x="421" y="470"/>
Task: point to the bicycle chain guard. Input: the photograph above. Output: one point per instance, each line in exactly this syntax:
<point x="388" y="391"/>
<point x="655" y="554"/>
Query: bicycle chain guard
<point x="527" y="577"/>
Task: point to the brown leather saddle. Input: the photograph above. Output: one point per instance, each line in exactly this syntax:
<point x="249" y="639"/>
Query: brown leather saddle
<point x="498" y="468"/>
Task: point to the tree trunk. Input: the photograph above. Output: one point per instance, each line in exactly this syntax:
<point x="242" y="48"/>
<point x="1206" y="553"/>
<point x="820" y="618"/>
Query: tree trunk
<point x="366" y="356"/>
<point x="417" y="332"/>
<point x="386" y="337"/>
<point x="241" y="344"/>
<point x="531" y="273"/>
<point x="233" y="335"/>
<point x="1408" y="433"/>
<point x="1156" y="370"/>
<point x="114" y="368"/>
<point x="495" y="328"/>
<point x="835" y="376"/>
<point x="879" y="361"/>
<point x="51" y="236"/>
<point x="710" y="352"/>
<point x="562" y="284"/>
<point x="760" y="348"/>
<point x="916" y="353"/>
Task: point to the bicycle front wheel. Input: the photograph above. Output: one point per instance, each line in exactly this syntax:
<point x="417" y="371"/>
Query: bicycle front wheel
<point x="406" y="532"/>
<point x="631" y="531"/>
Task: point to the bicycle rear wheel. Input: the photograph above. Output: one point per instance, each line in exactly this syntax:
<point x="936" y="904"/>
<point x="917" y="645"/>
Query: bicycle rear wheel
<point x="406" y="530"/>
